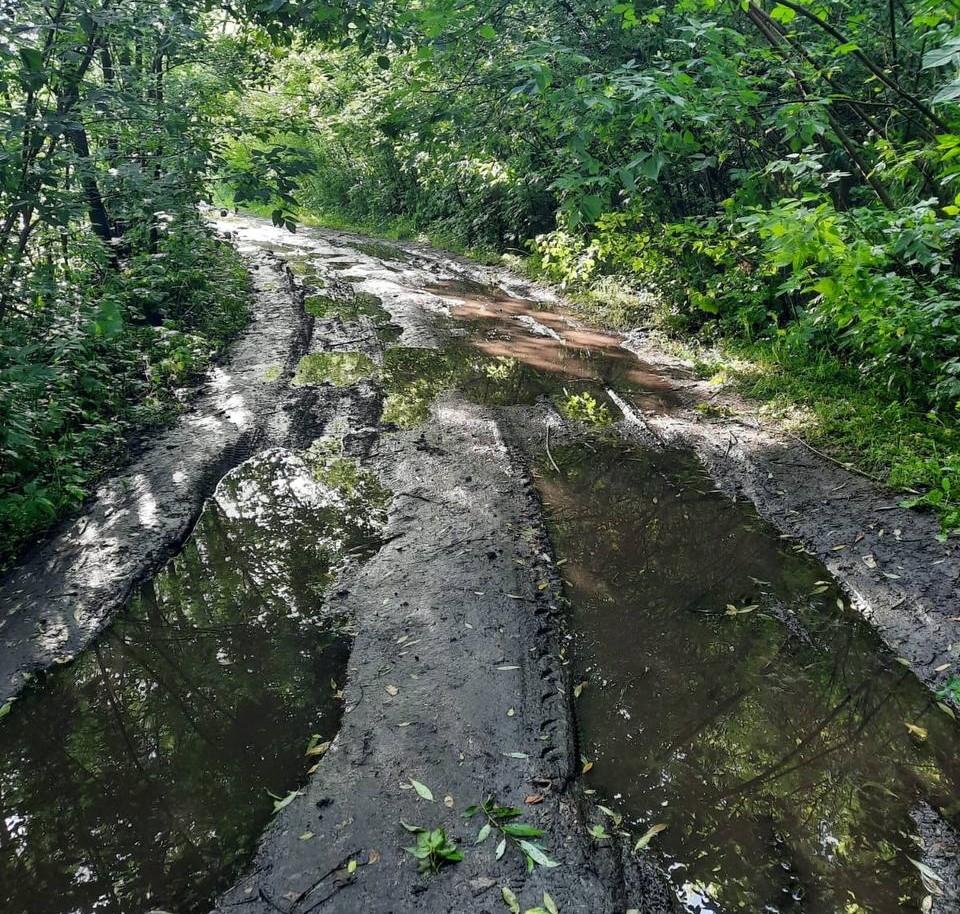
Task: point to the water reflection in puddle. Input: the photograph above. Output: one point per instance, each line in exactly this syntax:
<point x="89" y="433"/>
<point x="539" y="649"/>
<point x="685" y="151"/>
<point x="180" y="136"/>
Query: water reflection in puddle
<point x="137" y="778"/>
<point x="549" y="343"/>
<point x="730" y="697"/>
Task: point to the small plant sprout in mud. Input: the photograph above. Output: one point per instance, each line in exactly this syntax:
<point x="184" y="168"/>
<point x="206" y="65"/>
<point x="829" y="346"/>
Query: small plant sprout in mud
<point x="500" y="819"/>
<point x="433" y="849"/>
<point x="317" y="748"/>
<point x="549" y="906"/>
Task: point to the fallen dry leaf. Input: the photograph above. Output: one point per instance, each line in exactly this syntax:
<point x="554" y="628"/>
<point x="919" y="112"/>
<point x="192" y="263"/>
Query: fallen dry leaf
<point x="915" y="730"/>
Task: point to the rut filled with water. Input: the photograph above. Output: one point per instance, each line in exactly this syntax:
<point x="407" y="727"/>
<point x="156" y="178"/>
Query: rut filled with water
<point x="729" y="693"/>
<point x="141" y="776"/>
<point x="729" y="698"/>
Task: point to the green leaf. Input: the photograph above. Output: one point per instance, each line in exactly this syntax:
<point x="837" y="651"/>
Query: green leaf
<point x="383" y="62"/>
<point x="784" y="14"/>
<point x="505" y="812"/>
<point x="651" y="166"/>
<point x="501" y="849"/>
<point x="483" y="834"/>
<point x="413" y="829"/>
<point x="648" y="835"/>
<point x="521" y="830"/>
<point x="422" y="789"/>
<point x="283" y="803"/>
<point x="591" y="207"/>
<point x="942" y="56"/>
<point x="5" y="707"/>
<point x="550" y="904"/>
<point x="510" y="900"/>
<point x="487" y="32"/>
<point x="537" y="855"/>
<point x="598" y="832"/>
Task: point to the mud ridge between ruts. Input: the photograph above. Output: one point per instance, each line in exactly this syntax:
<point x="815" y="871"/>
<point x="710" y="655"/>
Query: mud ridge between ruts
<point x="887" y="558"/>
<point x="455" y="680"/>
<point x="69" y="586"/>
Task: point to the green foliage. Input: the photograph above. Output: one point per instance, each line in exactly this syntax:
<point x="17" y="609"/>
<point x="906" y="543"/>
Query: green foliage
<point x="779" y="174"/>
<point x="78" y="377"/>
<point x="504" y="820"/>
<point x="584" y="407"/>
<point x="113" y="294"/>
<point x="433" y="849"/>
<point x="338" y="368"/>
<point x="951" y="690"/>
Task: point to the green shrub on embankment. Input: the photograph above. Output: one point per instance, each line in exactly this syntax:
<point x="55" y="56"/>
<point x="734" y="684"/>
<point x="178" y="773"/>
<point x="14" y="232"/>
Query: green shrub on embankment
<point x="86" y="370"/>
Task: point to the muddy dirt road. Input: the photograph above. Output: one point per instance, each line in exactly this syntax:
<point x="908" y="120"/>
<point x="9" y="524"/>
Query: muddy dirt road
<point x="436" y="542"/>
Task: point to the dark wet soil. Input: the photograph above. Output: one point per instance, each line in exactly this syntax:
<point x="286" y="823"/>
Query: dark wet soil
<point x="729" y="693"/>
<point x="141" y="776"/>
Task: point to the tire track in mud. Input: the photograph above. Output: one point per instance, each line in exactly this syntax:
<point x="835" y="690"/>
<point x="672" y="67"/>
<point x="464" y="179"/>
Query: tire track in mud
<point x="68" y="587"/>
<point x="456" y="677"/>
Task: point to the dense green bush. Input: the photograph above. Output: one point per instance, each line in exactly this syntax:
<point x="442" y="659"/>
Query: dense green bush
<point x="78" y="377"/>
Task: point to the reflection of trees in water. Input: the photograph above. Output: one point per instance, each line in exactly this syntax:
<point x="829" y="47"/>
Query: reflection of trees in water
<point x="776" y="737"/>
<point x="137" y="777"/>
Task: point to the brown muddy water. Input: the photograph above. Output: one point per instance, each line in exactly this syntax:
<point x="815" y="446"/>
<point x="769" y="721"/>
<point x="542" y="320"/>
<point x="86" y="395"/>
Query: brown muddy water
<point x="729" y="693"/>
<point x="141" y="776"/>
<point x="726" y="690"/>
<point x="548" y="343"/>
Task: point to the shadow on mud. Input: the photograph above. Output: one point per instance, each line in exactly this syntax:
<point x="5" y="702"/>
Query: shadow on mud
<point x="140" y="777"/>
<point x="731" y="694"/>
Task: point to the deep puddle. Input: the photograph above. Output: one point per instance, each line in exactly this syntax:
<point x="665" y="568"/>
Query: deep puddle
<point x="137" y="778"/>
<point x="796" y="764"/>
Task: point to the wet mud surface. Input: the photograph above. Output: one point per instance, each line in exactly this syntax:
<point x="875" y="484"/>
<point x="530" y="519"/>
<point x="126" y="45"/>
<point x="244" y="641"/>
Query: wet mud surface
<point x="548" y="586"/>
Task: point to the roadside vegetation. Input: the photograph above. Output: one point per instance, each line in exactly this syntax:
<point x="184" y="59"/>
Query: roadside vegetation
<point x="113" y="293"/>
